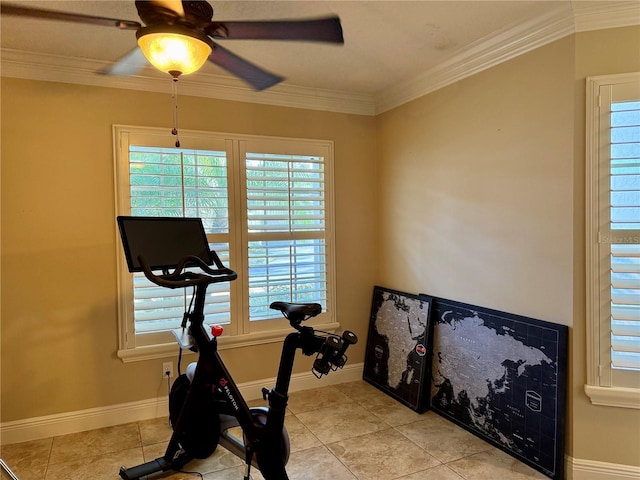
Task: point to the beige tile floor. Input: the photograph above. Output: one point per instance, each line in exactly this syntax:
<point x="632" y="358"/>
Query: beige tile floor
<point x="343" y="432"/>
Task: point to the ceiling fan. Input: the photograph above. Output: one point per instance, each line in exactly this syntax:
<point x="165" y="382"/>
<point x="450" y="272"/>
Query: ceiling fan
<point x="177" y="37"/>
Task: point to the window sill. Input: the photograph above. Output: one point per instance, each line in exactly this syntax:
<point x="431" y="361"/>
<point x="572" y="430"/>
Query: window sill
<point x="165" y="350"/>
<point x="613" y="396"/>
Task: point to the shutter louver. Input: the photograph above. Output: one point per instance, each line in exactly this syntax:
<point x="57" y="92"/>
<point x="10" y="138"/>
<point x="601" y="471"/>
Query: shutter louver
<point x="179" y="183"/>
<point x="268" y="216"/>
<point x="287" y="256"/>
<point x="625" y="235"/>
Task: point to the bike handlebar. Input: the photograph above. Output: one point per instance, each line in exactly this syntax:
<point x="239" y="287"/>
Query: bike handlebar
<point x="180" y="279"/>
<point x="332" y="355"/>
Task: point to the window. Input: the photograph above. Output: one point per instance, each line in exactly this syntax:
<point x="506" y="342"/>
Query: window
<point x="613" y="239"/>
<point x="266" y="205"/>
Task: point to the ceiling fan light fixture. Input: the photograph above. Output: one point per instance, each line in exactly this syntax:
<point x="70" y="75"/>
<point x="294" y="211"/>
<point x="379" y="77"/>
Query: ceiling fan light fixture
<point x="174" y="49"/>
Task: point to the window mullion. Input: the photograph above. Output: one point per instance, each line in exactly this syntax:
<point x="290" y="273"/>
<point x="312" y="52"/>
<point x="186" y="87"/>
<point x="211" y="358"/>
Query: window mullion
<point x="239" y="228"/>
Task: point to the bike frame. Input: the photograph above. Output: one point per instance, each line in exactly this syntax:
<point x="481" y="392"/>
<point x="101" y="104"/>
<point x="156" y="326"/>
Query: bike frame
<point x="212" y="398"/>
<point x="211" y="370"/>
<point x="262" y="440"/>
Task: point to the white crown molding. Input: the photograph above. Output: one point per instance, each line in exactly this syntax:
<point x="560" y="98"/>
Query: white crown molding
<point x="57" y="68"/>
<point x="481" y="55"/>
<point x="503" y="46"/>
<point x="589" y="16"/>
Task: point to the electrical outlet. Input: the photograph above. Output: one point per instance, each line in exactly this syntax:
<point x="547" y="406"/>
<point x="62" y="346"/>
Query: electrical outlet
<point x="167" y="367"/>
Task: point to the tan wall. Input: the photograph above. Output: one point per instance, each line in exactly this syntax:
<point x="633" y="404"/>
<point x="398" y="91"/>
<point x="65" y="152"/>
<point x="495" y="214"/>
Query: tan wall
<point x="476" y="189"/>
<point x="479" y="190"/>
<point x="482" y="200"/>
<point x="59" y="332"/>
<point x="600" y="433"/>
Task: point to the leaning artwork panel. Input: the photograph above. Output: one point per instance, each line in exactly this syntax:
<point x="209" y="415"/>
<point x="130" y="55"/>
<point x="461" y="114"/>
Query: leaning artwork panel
<point x="502" y="377"/>
<point x="396" y="359"/>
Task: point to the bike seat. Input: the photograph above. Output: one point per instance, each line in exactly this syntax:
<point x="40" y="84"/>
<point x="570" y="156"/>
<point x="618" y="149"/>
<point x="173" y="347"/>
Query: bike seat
<point x="297" y="312"/>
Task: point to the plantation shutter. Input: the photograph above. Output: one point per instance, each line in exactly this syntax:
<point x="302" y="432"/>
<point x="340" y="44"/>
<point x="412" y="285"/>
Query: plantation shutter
<point x="266" y="204"/>
<point x="286" y="228"/>
<point x="625" y="228"/>
<point x="179" y="183"/>
<point x="619" y="233"/>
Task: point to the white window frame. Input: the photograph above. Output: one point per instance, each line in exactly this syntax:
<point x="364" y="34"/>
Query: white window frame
<point x="605" y="385"/>
<point x="240" y="332"/>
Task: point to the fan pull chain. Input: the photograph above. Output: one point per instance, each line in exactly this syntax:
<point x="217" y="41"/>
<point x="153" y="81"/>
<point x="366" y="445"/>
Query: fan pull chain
<point x="174" y="131"/>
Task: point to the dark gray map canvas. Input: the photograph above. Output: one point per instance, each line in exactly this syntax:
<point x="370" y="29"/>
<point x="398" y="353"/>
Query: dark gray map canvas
<point x="397" y="359"/>
<point x="502" y="377"/>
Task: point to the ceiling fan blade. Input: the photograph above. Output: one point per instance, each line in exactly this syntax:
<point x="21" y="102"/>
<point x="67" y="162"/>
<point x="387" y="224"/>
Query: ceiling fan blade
<point x="255" y="76"/>
<point x="129" y="64"/>
<point x="320" y="30"/>
<point x="12" y="9"/>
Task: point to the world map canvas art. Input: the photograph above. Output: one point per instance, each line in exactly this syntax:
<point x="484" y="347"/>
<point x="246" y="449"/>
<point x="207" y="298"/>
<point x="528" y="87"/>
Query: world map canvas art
<point x="502" y="377"/>
<point x="397" y="359"/>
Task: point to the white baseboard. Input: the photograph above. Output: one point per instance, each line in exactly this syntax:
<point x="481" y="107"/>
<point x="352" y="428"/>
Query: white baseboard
<point x="579" y="469"/>
<point x="90" y="419"/>
<point x="72" y="422"/>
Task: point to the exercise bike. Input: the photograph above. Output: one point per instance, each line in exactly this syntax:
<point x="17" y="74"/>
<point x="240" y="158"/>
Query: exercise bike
<point x="205" y="404"/>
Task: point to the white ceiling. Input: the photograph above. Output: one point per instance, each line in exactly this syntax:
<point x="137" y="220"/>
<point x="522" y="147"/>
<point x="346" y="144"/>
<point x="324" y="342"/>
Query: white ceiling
<point x="389" y="45"/>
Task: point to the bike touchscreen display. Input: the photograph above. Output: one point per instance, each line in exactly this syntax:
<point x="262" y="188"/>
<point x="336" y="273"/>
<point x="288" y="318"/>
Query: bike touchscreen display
<point x="162" y="241"/>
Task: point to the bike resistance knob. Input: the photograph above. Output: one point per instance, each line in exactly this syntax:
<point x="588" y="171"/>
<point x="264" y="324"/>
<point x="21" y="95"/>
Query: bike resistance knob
<point x="216" y="330"/>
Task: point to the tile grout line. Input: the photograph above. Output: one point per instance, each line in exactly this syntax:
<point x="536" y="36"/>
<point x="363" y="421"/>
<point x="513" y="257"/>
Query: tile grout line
<point x="348" y="400"/>
<point x="325" y="445"/>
